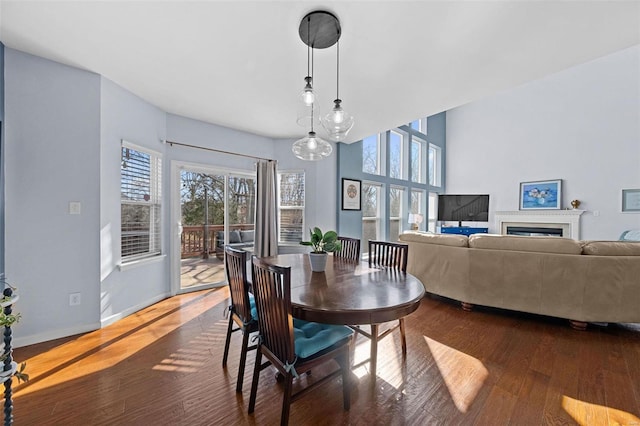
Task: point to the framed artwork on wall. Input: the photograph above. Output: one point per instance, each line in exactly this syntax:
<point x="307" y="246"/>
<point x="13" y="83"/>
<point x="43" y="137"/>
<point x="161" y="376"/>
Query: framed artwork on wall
<point x="351" y="194"/>
<point x="631" y="200"/>
<point x="541" y="195"/>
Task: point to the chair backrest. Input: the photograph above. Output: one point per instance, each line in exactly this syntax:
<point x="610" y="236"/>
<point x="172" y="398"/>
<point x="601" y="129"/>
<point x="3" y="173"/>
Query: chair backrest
<point x="350" y="249"/>
<point x="236" y="269"/>
<point x="272" y="292"/>
<point x="388" y="255"/>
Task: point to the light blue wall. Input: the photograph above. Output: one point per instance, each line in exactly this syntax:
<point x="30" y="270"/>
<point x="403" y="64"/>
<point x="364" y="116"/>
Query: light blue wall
<point x="52" y="157"/>
<point x="126" y="116"/>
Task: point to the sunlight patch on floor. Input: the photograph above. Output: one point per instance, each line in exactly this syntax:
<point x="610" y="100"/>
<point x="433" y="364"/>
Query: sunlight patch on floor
<point x="463" y="374"/>
<point x="585" y="413"/>
<point x="103" y="348"/>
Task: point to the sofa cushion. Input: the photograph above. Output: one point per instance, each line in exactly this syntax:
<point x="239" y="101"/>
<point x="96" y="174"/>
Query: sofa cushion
<point x="234" y="236"/>
<point x="246" y="236"/>
<point x="611" y="248"/>
<point x="522" y="243"/>
<point x="439" y="239"/>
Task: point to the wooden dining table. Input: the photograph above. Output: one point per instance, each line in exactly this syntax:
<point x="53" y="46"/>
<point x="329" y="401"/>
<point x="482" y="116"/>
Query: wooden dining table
<point x="350" y="293"/>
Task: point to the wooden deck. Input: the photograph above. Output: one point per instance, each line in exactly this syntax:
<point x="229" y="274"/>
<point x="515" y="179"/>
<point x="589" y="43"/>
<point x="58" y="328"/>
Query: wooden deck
<point x="162" y="366"/>
<point x="196" y="271"/>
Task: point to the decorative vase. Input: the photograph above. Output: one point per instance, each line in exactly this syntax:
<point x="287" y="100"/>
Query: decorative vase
<point x="318" y="261"/>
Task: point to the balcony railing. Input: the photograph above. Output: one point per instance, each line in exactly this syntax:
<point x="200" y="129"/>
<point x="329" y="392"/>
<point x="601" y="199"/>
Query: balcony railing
<point x="192" y="240"/>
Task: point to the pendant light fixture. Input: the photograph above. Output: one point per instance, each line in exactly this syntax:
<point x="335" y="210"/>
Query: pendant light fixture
<point x="318" y="30"/>
<point x="338" y="122"/>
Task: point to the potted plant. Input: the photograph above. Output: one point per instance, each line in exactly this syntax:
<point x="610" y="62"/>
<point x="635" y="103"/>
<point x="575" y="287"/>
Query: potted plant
<point x="322" y="245"/>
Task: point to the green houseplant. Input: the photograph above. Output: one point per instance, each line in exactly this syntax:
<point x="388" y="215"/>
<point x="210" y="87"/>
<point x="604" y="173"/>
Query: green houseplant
<point x="322" y="244"/>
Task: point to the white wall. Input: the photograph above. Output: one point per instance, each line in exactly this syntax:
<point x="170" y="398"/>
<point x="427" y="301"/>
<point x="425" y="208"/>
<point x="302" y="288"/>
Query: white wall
<point x="581" y="125"/>
<point x="52" y="153"/>
<point x="126" y="116"/>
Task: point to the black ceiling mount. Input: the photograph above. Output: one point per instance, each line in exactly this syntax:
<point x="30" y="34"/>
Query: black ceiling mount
<point x="319" y="29"/>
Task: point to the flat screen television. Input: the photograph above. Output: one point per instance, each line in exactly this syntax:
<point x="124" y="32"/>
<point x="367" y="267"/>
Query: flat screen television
<point x="463" y="208"/>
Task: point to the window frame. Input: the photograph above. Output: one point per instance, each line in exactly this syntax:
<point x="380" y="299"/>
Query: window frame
<point x="281" y="207"/>
<point x="154" y="246"/>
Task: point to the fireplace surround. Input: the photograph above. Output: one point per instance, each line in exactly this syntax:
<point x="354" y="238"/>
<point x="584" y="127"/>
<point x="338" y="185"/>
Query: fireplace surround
<point x="567" y="220"/>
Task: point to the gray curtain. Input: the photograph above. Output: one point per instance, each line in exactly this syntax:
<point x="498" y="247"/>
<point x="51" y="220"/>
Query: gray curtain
<point x="266" y="235"/>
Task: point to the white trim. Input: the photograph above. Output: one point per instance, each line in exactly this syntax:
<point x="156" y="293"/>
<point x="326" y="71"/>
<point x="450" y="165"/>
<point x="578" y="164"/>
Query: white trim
<point x="142" y="148"/>
<point x="568" y="219"/>
<point x="140" y="262"/>
<point x="133" y="309"/>
<point x="18" y="342"/>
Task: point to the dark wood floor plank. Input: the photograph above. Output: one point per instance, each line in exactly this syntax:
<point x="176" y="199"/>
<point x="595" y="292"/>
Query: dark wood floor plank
<point x="162" y="365"/>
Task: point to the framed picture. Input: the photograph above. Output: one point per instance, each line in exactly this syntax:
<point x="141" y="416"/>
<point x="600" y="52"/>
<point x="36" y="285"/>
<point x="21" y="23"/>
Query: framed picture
<point x="351" y="194"/>
<point x="541" y="195"/>
<point x="631" y="200"/>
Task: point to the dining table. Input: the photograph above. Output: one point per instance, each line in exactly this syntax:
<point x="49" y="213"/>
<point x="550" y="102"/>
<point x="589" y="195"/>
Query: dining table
<point x="350" y="293"/>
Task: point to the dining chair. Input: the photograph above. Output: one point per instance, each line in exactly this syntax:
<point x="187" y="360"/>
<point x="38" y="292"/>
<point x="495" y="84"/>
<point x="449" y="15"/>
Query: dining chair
<point x="349" y="250"/>
<point x="293" y="347"/>
<point x="242" y="310"/>
<point x="391" y="256"/>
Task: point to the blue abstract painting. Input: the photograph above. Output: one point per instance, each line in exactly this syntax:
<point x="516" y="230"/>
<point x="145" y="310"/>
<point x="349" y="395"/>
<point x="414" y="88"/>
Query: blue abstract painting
<point x="546" y="194"/>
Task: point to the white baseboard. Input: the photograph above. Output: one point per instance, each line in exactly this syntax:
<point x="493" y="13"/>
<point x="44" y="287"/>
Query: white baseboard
<point x="132" y="310"/>
<point x="18" y="342"/>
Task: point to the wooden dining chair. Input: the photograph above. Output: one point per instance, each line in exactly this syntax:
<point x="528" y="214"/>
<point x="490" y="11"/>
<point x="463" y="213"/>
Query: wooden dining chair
<point x="293" y="350"/>
<point x="242" y="310"/>
<point x="392" y="256"/>
<point x="349" y="249"/>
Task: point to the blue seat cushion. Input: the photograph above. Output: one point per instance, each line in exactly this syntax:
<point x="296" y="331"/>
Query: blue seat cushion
<point x="312" y="337"/>
<point x="252" y="305"/>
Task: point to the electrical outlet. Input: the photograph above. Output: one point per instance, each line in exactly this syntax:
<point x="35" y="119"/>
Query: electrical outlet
<point x="74" y="299"/>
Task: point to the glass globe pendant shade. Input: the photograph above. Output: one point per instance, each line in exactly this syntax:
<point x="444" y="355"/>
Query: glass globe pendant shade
<point x="307" y="95"/>
<point x="311" y="148"/>
<point x="338" y="122"/>
<point x="306" y="112"/>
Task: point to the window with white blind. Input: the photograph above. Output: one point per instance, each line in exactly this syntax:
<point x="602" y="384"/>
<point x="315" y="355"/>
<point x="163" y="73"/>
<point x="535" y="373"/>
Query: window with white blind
<point x="290" y="207"/>
<point x="140" y="201"/>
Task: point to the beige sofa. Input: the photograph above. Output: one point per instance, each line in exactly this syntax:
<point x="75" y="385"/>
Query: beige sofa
<point x="583" y="281"/>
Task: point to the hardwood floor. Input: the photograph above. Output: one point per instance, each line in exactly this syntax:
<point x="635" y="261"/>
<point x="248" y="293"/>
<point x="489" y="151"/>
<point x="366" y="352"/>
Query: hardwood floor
<point x="163" y="366"/>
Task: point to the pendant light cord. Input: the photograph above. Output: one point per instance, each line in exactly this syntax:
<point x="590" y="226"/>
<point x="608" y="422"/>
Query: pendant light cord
<point x="338" y="70"/>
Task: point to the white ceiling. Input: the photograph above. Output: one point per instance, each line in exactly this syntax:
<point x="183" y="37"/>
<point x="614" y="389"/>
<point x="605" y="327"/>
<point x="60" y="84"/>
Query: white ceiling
<point x="241" y="64"/>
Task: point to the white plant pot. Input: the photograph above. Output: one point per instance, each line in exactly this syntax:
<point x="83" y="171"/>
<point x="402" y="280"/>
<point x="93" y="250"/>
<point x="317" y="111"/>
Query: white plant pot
<point x="318" y="261"/>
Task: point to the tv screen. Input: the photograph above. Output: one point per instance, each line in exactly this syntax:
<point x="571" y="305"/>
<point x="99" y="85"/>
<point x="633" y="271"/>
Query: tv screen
<point x="463" y="208"/>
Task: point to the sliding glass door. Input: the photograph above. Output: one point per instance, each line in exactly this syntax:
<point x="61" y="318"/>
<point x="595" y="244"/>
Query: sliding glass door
<point x="217" y="207"/>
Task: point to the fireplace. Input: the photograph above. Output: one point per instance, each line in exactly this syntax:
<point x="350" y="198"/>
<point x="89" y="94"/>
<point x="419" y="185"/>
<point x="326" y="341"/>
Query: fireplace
<point x="560" y="223"/>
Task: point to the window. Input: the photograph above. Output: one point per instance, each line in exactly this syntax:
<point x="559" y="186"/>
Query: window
<point x="140" y="202"/>
<point x="435" y="165"/>
<point x="418" y="163"/>
<point x="397" y="169"/>
<point x="416" y="202"/>
<point x="291" y="207"/>
<point x="371" y="155"/>
<point x="433" y="212"/>
<point x="371" y="213"/>
<point x="396" y="219"/>
<point x="420" y="125"/>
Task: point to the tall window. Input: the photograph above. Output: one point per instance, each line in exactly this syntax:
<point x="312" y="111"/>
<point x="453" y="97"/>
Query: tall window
<point x="396" y="200"/>
<point x="291" y="206"/>
<point x="435" y="165"/>
<point x="140" y="202"/>
<point x="371" y="155"/>
<point x="397" y="142"/>
<point x="418" y="163"/>
<point x="433" y="212"/>
<point x="371" y="213"/>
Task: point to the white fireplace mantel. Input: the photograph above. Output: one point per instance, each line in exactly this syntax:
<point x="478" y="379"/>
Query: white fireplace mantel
<point x="569" y="220"/>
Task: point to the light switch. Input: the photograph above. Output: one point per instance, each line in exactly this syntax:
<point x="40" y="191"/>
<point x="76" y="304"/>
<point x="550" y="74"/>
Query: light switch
<point x="74" y="207"/>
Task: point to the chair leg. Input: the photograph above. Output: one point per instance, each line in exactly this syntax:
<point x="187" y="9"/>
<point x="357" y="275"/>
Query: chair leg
<point x="243" y="359"/>
<point x="228" y="341"/>
<point x="254" y="384"/>
<point x="403" y="336"/>
<point x="286" y="399"/>
<point x="345" y="365"/>
<point x="374" y="349"/>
